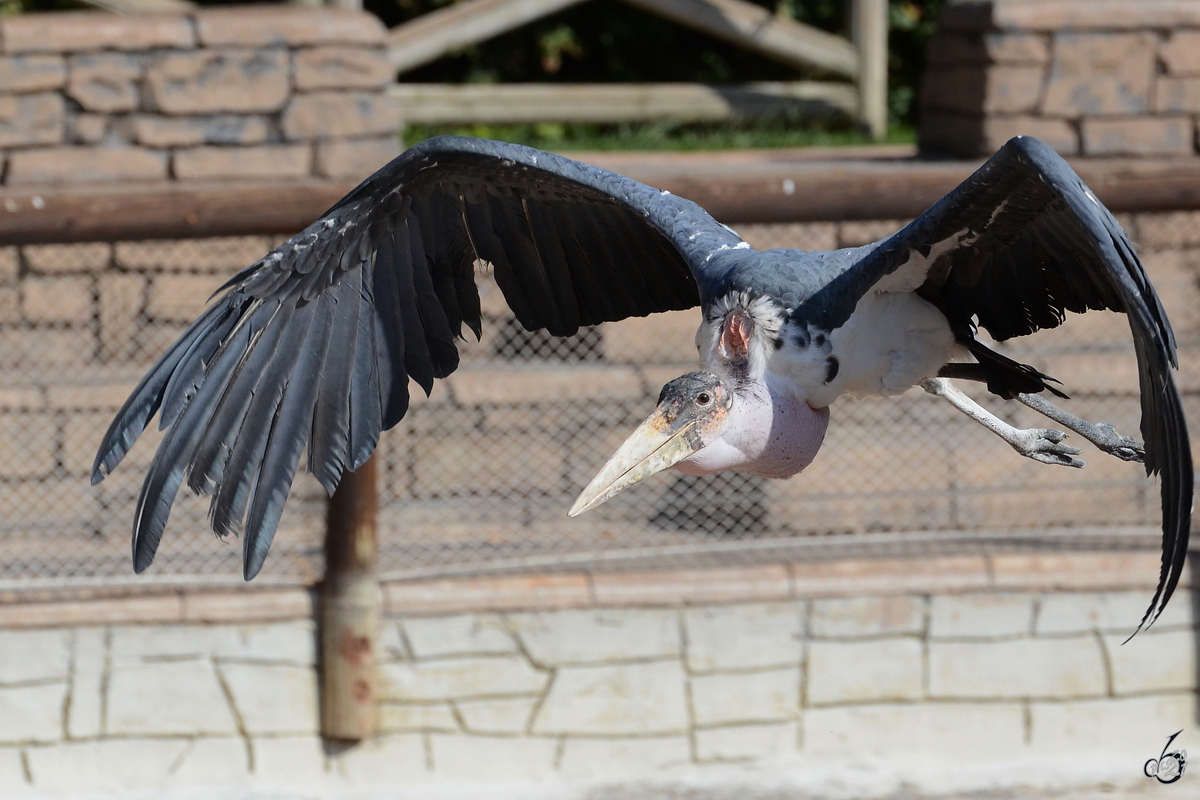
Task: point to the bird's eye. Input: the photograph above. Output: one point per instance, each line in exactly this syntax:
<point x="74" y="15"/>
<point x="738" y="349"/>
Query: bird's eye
<point x="704" y="398"/>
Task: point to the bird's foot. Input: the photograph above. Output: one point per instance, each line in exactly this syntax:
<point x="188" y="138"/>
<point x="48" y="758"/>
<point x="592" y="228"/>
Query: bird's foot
<point x="1105" y="437"/>
<point x="1046" y="446"/>
<point x="1101" y="434"/>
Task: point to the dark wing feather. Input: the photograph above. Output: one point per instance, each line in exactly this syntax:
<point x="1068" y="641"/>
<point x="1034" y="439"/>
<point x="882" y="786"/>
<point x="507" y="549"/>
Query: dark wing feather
<point x="296" y="410"/>
<point x="312" y="348"/>
<point x="329" y="445"/>
<point x="366" y="408"/>
<point x="1021" y="242"/>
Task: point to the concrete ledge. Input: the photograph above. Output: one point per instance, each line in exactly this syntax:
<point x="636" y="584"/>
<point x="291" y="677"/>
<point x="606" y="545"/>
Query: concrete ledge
<point x="689" y="586"/>
<point x="782" y="580"/>
<point x="156" y="606"/>
<point x="821" y="577"/>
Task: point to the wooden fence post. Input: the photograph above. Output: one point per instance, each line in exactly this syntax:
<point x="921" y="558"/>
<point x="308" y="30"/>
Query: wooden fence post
<point x="870" y="27"/>
<point x="350" y="607"/>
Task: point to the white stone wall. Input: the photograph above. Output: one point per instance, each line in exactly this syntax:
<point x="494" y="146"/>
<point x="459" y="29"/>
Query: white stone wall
<point x="981" y="687"/>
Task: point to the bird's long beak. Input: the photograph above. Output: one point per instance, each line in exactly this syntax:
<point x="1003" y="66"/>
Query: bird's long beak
<point x="658" y="443"/>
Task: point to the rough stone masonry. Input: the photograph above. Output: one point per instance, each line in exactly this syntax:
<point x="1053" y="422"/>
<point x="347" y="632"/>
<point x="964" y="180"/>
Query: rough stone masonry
<point x="1089" y="77"/>
<point x="218" y="94"/>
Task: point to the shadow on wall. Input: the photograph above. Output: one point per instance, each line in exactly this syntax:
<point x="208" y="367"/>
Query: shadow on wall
<point x="724" y="504"/>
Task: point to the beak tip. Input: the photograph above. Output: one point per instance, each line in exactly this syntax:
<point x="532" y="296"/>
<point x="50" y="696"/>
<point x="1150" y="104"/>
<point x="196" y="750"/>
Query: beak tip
<point x="653" y="447"/>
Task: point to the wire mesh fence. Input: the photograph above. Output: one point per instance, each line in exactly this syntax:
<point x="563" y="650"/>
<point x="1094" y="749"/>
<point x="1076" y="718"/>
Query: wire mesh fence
<point x="479" y="475"/>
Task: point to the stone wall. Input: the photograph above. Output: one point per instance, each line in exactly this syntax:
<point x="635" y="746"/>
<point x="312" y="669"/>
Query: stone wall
<point x="219" y="94"/>
<point x="969" y="672"/>
<point x="1107" y="78"/>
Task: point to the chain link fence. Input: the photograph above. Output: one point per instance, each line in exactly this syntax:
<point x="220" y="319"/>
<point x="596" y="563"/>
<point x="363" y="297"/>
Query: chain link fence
<point x="479" y="476"/>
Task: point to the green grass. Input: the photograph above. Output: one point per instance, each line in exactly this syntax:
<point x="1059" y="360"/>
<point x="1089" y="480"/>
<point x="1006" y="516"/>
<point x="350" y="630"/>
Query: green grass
<point x="661" y="136"/>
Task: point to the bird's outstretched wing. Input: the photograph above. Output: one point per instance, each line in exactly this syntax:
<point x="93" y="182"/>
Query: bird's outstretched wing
<point x="311" y="349"/>
<point x="1010" y="250"/>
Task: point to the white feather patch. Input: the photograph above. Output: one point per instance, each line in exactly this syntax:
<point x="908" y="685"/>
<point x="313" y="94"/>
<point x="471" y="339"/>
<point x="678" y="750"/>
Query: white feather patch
<point x="911" y="274"/>
<point x="766" y="317"/>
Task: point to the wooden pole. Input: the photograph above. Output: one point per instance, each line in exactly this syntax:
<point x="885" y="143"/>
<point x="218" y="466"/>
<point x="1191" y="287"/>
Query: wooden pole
<point x="455" y="27"/>
<point x="754" y="28"/>
<point x="350" y="606"/>
<point x="734" y="188"/>
<point x="870" y="26"/>
<point x="436" y="103"/>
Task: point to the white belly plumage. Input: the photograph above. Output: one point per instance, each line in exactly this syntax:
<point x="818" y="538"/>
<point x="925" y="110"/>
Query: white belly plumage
<point x="890" y="342"/>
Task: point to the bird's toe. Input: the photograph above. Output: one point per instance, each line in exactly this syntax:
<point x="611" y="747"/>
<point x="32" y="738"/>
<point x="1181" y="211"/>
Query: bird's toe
<point x="1046" y="446"/>
<point x="1062" y="459"/>
<point x="1117" y="444"/>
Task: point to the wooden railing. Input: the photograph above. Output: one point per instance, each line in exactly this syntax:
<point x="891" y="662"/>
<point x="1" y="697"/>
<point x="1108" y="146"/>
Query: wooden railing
<point x="861" y="63"/>
<point x="437" y="103"/>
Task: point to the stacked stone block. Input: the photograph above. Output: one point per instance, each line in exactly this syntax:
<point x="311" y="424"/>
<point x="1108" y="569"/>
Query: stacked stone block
<point x="1080" y="75"/>
<point x="267" y="93"/>
<point x="901" y="686"/>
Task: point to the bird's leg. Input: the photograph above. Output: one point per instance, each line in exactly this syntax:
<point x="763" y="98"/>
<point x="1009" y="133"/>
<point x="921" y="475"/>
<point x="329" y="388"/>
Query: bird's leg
<point x="1040" y="444"/>
<point x="1101" y="434"/>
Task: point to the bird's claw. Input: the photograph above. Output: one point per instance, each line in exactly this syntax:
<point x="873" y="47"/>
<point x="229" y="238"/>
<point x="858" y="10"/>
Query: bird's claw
<point x="1123" y="447"/>
<point x="1045" y="445"/>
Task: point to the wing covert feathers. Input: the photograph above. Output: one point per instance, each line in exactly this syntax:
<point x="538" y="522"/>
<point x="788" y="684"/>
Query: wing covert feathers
<point x="310" y="351"/>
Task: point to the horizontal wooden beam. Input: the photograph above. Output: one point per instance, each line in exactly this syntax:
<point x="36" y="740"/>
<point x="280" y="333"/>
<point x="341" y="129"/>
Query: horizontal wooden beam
<point x="112" y="212"/>
<point x="436" y="103"/>
<point x="143" y="6"/>
<point x="454" y="27"/>
<point x="755" y="28"/>
<point x="734" y="188"/>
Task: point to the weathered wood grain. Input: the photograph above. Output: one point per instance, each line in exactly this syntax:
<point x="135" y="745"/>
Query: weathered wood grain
<point x="435" y="103"/>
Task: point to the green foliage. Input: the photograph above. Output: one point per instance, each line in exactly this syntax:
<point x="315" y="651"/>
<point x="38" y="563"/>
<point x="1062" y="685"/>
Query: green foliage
<point x="9" y="8"/>
<point x="911" y="24"/>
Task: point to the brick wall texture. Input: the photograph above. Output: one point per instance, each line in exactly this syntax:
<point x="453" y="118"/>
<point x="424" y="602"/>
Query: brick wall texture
<point x="1086" y="77"/>
<point x="969" y="687"/>
<point x="218" y="94"/>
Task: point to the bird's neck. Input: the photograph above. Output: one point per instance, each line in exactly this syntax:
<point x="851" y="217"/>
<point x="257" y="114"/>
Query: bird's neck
<point x="771" y="432"/>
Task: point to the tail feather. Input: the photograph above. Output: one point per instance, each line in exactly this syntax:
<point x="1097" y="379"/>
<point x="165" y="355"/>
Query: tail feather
<point x="1006" y="377"/>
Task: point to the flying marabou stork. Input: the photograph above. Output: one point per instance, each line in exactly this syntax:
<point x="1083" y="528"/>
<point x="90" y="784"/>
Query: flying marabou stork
<point x="310" y="350"/>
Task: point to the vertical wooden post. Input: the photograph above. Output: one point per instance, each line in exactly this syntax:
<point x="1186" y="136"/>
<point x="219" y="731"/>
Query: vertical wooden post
<point x="870" y="27"/>
<point x="350" y="606"/>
